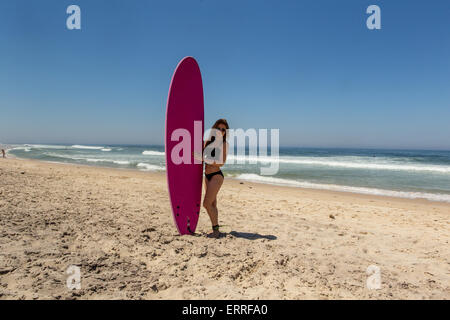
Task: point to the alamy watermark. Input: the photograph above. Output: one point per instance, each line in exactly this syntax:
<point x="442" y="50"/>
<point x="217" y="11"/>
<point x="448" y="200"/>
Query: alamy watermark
<point x="374" y="20"/>
<point x="74" y="20"/>
<point x="373" y="281"/>
<point x="73" y="281"/>
<point x="249" y="146"/>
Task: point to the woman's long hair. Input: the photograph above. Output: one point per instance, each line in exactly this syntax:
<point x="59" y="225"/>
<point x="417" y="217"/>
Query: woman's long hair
<point x="216" y="126"/>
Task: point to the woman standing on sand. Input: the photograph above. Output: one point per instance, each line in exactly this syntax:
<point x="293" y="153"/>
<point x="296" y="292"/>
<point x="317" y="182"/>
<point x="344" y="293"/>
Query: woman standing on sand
<point x="215" y="155"/>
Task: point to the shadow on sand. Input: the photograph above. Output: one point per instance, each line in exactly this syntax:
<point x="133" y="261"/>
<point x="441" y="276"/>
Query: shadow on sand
<point x="252" y="236"/>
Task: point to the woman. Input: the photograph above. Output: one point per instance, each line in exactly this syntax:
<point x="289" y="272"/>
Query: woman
<point x="215" y="154"/>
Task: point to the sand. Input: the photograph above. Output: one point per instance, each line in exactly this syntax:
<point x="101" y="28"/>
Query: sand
<point x="283" y="243"/>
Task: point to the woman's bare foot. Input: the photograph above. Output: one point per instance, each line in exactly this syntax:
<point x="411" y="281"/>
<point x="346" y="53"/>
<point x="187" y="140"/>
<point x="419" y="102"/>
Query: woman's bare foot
<point x="215" y="234"/>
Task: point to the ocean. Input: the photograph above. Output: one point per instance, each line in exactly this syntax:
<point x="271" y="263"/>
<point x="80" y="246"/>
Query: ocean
<point x="398" y="173"/>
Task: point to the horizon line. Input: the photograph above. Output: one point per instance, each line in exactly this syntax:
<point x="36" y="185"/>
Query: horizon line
<point x="281" y="146"/>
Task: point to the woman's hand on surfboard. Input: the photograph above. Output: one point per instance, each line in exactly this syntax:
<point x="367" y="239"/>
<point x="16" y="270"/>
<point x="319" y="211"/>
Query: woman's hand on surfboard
<point x="197" y="156"/>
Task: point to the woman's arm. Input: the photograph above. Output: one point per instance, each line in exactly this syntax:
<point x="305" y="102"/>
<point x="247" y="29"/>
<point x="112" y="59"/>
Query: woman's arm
<point x="199" y="156"/>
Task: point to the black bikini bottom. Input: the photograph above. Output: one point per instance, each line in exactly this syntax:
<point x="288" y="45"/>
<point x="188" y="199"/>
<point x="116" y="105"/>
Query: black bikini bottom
<point x="210" y="175"/>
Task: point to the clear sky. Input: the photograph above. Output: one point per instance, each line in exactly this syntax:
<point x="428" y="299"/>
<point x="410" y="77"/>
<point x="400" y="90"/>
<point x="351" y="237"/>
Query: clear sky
<point x="310" y="68"/>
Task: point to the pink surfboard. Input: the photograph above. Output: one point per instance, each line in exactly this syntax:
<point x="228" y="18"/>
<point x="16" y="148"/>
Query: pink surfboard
<point x="184" y="107"/>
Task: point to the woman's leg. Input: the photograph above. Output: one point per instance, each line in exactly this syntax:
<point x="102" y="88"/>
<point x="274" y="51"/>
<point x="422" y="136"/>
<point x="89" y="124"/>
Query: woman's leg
<point x="214" y="205"/>
<point x="210" y="200"/>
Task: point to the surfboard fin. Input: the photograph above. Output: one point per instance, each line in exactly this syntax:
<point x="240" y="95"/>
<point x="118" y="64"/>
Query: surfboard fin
<point x="190" y="231"/>
<point x="189" y="227"/>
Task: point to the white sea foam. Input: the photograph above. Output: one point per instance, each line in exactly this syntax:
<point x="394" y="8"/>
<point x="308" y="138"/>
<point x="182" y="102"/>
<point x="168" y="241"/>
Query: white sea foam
<point x="372" y="191"/>
<point x="153" y="153"/>
<point x="106" y="149"/>
<point x="77" y="146"/>
<point x="149" y="167"/>
<point x="142" y="166"/>
<point x="46" y="146"/>
<point x="121" y="162"/>
<point x="348" y="163"/>
<point x="24" y="148"/>
<point x="92" y="160"/>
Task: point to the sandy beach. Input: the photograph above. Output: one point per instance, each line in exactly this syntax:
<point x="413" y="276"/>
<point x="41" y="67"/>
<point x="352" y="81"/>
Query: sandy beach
<point x="283" y="243"/>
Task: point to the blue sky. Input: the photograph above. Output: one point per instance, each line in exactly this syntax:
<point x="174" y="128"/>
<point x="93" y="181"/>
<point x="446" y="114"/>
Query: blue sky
<point x="310" y="68"/>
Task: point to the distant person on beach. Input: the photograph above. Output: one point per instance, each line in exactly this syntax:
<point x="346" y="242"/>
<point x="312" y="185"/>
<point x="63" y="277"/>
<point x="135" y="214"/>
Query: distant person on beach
<point x="3" y="153"/>
<point x="215" y="154"/>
